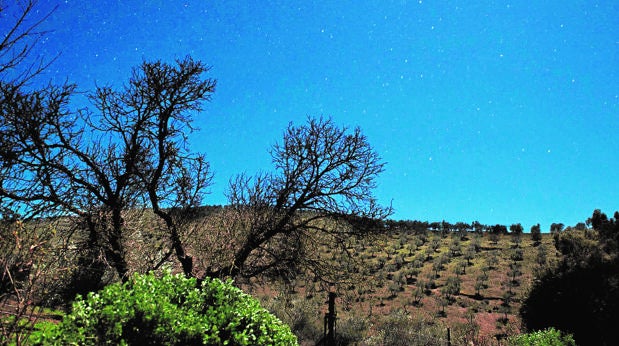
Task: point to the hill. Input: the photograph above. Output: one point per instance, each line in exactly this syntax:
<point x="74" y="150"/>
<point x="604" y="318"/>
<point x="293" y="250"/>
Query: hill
<point x="403" y="284"/>
<point x="409" y="283"/>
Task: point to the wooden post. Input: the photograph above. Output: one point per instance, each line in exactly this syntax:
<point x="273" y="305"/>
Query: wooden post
<point x="330" y="317"/>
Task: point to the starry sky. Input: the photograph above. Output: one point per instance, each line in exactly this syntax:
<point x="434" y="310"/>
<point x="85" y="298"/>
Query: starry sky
<point x="496" y="111"/>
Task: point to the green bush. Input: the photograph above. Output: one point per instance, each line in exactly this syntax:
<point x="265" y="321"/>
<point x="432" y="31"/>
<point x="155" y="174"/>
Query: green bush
<point x="170" y="310"/>
<point x="546" y="337"/>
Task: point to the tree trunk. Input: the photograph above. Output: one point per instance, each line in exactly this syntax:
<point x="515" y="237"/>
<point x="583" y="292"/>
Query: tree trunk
<point x="185" y="259"/>
<point x="117" y="250"/>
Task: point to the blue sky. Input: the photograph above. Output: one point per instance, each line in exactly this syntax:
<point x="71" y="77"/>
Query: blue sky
<point x="496" y="111"/>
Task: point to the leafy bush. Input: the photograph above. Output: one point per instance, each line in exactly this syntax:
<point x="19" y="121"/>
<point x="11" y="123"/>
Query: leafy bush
<point x="547" y="337"/>
<point x="171" y="310"/>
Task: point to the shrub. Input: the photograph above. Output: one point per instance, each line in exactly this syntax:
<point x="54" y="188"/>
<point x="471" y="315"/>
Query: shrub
<point x="547" y="337"/>
<point x="298" y="313"/>
<point x="171" y="310"/>
<point x="352" y="330"/>
<point x="26" y="269"/>
<point x="401" y="328"/>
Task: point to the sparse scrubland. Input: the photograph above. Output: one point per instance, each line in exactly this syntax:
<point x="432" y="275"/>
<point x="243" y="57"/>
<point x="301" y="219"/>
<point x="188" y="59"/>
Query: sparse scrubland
<point x="409" y="285"/>
<point x="402" y="285"/>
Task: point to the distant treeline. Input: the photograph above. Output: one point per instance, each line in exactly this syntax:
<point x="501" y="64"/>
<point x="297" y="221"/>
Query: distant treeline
<point x="475" y="226"/>
<point x="417" y="226"/>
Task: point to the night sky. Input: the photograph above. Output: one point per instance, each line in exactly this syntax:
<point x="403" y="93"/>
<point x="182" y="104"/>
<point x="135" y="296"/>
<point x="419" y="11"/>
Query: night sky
<point x="496" y="111"/>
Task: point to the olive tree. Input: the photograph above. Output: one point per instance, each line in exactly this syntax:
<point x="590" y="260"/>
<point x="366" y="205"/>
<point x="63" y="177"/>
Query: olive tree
<point x="536" y="234"/>
<point x="320" y="194"/>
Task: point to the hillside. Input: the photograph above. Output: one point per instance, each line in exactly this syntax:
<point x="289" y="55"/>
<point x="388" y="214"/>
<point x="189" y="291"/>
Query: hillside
<point x="413" y="284"/>
<point x="401" y="285"/>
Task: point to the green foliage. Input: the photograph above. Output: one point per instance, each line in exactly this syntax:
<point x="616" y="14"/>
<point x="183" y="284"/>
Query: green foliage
<point x="451" y="288"/>
<point x="547" y="337"/>
<point x="171" y="310"/>
<point x="351" y="330"/>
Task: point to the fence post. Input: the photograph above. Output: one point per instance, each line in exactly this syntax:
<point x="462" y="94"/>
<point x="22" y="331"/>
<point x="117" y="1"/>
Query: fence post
<point x="330" y="317"/>
<point x="448" y="337"/>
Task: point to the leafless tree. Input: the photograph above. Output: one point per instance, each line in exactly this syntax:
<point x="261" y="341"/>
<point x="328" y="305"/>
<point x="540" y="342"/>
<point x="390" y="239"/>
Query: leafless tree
<point x="130" y="152"/>
<point x="19" y="34"/>
<point x="25" y="263"/>
<point x="319" y="195"/>
<point x="24" y="250"/>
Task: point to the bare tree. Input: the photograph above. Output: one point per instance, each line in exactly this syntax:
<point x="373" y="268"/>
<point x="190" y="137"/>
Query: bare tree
<point x="130" y="153"/>
<point x="19" y="35"/>
<point x="25" y="260"/>
<point x="320" y="194"/>
<point x="25" y="263"/>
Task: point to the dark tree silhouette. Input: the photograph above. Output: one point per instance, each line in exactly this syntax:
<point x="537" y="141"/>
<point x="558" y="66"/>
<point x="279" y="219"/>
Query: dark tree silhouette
<point x="608" y="228"/>
<point x="581" y="294"/>
<point x="536" y="234"/>
<point x="477" y="227"/>
<point x="19" y="34"/>
<point x="556" y="227"/>
<point x="320" y="193"/>
<point x="131" y="153"/>
<point x="499" y="229"/>
<point x="495" y="232"/>
<point x="516" y="228"/>
<point x="24" y="250"/>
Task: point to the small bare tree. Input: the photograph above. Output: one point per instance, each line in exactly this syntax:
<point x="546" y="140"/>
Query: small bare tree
<point x="26" y="262"/>
<point x="320" y="194"/>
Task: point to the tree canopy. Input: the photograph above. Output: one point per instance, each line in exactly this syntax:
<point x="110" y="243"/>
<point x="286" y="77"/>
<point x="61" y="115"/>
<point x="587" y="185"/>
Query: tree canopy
<point x="319" y="193"/>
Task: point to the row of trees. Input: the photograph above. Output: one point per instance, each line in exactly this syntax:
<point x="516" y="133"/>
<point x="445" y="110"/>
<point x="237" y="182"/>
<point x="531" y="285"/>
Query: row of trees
<point x="474" y="227"/>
